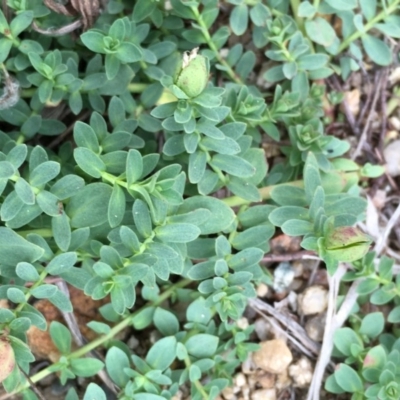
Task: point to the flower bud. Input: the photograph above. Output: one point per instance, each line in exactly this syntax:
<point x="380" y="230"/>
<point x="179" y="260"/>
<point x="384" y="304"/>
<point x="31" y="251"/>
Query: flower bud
<point x="346" y="244"/>
<point x="193" y="77"/>
<point x="7" y="358"/>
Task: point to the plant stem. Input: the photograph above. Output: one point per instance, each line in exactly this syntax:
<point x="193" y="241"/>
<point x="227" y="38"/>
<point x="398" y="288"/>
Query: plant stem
<point x="213" y="47"/>
<point x="295" y="4"/>
<point x="102" y="339"/>
<point x="369" y="25"/>
<point x="265" y="192"/>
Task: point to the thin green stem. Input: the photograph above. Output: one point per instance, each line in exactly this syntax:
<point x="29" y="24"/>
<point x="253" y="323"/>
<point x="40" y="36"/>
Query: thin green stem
<point x="295" y="4"/>
<point x="316" y="4"/>
<point x="369" y="25"/>
<point x="213" y="47"/>
<point x="43" y="232"/>
<point x="196" y="383"/>
<point x="102" y="339"/>
<point x="265" y="192"/>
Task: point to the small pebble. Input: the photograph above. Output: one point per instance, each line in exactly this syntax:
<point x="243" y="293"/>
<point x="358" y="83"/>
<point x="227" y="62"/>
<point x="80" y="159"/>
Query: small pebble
<point x="313" y="300"/>
<point x="391" y="154"/>
<point x="301" y="372"/>
<point x="262" y="290"/>
<point x="242" y="323"/>
<point x="262" y="328"/>
<point x="240" y="380"/>
<point x="315" y="327"/>
<point x="274" y="356"/>
<point x="264" y="394"/>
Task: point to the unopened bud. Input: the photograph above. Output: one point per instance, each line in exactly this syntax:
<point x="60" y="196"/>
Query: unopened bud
<point x="193" y="77"/>
<point x="347" y="244"/>
<point x="7" y="358"/>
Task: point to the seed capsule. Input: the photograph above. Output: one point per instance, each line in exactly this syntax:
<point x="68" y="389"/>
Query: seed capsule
<point x="347" y="244"/>
<point x="7" y="358"/>
<point x="193" y="77"/>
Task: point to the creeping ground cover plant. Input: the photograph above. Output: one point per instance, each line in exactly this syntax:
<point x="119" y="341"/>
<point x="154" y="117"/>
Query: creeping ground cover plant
<point x="134" y="172"/>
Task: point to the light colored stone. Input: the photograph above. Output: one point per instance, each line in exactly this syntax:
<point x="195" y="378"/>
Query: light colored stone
<point x="248" y="366"/>
<point x="242" y="323"/>
<point x="262" y="290"/>
<point x="262" y="328"/>
<point x="301" y="372"/>
<point x="283" y="381"/>
<point x="264" y="394"/>
<point x="228" y="394"/>
<point x="240" y="380"/>
<point x="315" y="327"/>
<point x="265" y="379"/>
<point x="313" y="300"/>
<point x="283" y="277"/>
<point x="274" y="356"/>
<point x="391" y="154"/>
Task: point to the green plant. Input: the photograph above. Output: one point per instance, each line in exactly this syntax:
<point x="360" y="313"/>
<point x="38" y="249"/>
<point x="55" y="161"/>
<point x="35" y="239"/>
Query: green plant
<point x="370" y="369"/>
<point x="127" y="207"/>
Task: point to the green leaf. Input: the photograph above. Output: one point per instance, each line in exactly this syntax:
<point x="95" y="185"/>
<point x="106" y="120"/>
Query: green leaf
<point x="165" y="322"/>
<point x="61" y="231"/>
<point x="312" y="178"/>
<point x="141" y="216"/>
<point x="344" y="338"/>
<point x="378" y="51"/>
<point x="297" y="227"/>
<point x="202" y="345"/>
<point x="321" y="31"/>
<point x="368" y="8"/>
<point x="134" y="166"/>
<point x="61" y="263"/>
<point x="93" y="41"/>
<point x="5" y="47"/>
<point x="162" y="354"/>
<point x="342" y="5"/>
<point x="238" y="19"/>
<point x="44" y="291"/>
<point x="67" y="186"/>
<point x="61" y="337"/>
<point x="129" y="53"/>
<point x="44" y="173"/>
<point x="116" y="361"/>
<point x="16" y="295"/>
<point x="7" y="170"/>
<point x="61" y="301"/>
<point x="89" y="206"/>
<point x="24" y="191"/>
<point x="372" y="325"/>
<point x="177" y="233"/>
<point x="348" y="379"/>
<point x="15" y="249"/>
<point x="197" y="166"/>
<point x="198" y="312"/>
<point x="233" y="165"/>
<point x="27" y="272"/>
<point x="21" y="22"/>
<point x="223" y="216"/>
<point x="86" y="367"/>
<point x="116" y="207"/>
<point x="253" y="237"/>
<point x="89" y="162"/>
<point x="142" y="9"/>
<point x="394" y="315"/>
<point x="48" y="203"/>
<point x="85" y="136"/>
<point x="94" y="391"/>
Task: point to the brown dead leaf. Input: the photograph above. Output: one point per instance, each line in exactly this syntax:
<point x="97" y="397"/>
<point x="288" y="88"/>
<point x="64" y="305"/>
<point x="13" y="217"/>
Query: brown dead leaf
<point x="85" y="310"/>
<point x="282" y="244"/>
